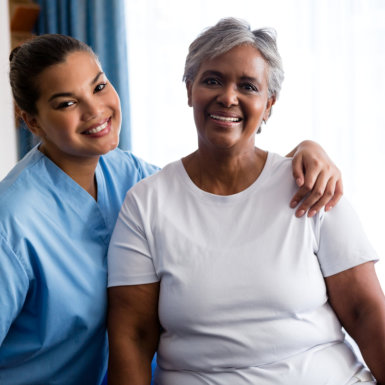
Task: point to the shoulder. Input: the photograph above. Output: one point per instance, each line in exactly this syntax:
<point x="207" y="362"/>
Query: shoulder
<point x="21" y="170"/>
<point x="125" y="163"/>
<point x="17" y="189"/>
<point x="279" y="165"/>
<point x="277" y="178"/>
<point x="155" y="190"/>
<point x="159" y="181"/>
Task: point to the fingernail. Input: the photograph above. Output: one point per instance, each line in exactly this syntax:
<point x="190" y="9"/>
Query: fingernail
<point x="311" y="213"/>
<point x="300" y="213"/>
<point x="293" y="204"/>
<point x="299" y="182"/>
<point x="328" y="208"/>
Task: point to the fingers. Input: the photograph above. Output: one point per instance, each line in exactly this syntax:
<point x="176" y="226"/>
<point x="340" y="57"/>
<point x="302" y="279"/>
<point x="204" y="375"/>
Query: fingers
<point x="312" y="205"/>
<point x="315" y="195"/>
<point x="318" y="179"/>
<point x="298" y="174"/>
<point x="301" y="193"/>
<point x="326" y="192"/>
<point x="338" y="192"/>
<point x="314" y="182"/>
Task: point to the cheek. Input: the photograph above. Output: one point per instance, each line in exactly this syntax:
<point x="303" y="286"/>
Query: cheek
<point x="117" y="104"/>
<point x="257" y="110"/>
<point x="199" y="115"/>
<point x="199" y="105"/>
<point x="56" y="126"/>
<point x="114" y="101"/>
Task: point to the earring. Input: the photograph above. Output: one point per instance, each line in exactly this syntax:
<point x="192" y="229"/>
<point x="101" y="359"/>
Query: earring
<point x="260" y="127"/>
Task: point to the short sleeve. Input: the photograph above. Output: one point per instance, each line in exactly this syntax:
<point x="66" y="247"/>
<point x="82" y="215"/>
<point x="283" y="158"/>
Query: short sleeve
<point x="13" y="287"/>
<point x="342" y="241"/>
<point x="129" y="257"/>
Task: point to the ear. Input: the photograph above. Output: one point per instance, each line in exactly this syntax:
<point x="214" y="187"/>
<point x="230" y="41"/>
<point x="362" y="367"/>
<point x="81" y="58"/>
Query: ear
<point x="189" y="92"/>
<point x="269" y="105"/>
<point x="32" y="123"/>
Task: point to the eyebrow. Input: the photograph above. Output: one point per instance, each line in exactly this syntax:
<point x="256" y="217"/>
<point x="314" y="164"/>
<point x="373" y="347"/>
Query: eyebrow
<point x="220" y="74"/>
<point x="211" y="72"/>
<point x="68" y="94"/>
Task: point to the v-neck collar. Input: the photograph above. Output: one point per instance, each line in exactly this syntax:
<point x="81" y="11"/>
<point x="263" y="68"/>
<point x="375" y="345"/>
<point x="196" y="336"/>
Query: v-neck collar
<point x="81" y="198"/>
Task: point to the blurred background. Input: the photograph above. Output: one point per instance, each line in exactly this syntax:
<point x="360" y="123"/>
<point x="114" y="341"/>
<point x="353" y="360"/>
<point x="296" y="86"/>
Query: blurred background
<point x="334" y="90"/>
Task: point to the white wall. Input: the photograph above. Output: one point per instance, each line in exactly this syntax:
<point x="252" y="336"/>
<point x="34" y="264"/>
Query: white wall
<point x="8" y="150"/>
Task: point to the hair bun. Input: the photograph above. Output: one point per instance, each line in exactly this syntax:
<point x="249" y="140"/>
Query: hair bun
<point x="13" y="53"/>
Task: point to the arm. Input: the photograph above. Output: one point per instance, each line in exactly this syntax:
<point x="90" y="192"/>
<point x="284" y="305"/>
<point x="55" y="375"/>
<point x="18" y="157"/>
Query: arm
<point x="133" y="333"/>
<point x="14" y="286"/>
<point x="317" y="177"/>
<point x="357" y="299"/>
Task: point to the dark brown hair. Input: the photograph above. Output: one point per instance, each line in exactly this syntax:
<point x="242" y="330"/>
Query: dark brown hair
<point x="31" y="58"/>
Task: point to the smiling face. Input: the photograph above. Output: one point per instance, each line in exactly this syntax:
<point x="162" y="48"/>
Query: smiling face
<point x="78" y="110"/>
<point x="229" y="96"/>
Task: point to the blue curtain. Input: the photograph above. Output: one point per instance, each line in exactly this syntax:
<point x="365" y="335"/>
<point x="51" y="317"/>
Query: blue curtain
<point x="101" y="24"/>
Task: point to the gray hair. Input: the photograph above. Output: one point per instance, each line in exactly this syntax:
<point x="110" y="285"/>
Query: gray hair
<point x="227" y="34"/>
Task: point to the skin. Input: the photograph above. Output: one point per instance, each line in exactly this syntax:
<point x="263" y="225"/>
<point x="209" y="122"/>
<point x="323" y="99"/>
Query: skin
<point x="75" y="97"/>
<point x="358" y="300"/>
<point x="230" y="100"/>
<point x="133" y="333"/>
<point x="72" y="103"/>
<point x="322" y="188"/>
<point x="231" y="86"/>
<point x="87" y="99"/>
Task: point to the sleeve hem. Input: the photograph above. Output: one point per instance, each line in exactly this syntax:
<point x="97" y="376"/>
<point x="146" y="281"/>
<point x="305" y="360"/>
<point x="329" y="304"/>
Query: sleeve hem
<point x="339" y="269"/>
<point x="124" y="281"/>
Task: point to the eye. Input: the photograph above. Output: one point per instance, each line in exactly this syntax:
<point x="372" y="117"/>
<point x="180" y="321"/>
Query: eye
<point x="211" y="81"/>
<point x="100" y="87"/>
<point x="65" y="104"/>
<point x="249" y="87"/>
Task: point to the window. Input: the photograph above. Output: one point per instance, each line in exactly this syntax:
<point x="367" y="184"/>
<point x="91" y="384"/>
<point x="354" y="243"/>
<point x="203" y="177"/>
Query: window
<point x="334" y="88"/>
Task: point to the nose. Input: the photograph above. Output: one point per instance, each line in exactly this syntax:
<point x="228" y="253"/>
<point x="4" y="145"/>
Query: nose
<point x="90" y="110"/>
<point x="228" y="96"/>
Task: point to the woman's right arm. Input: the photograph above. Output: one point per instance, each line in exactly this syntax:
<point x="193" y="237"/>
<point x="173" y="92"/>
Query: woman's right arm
<point x="133" y="333"/>
<point x="14" y="284"/>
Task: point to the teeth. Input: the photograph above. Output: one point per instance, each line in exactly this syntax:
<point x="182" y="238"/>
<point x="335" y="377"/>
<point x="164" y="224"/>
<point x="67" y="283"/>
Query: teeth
<point x="225" y="119"/>
<point x="98" y="129"/>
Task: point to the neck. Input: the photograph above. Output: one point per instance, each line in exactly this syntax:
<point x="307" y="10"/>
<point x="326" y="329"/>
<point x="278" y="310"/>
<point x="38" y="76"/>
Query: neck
<point x="81" y="170"/>
<point x="224" y="174"/>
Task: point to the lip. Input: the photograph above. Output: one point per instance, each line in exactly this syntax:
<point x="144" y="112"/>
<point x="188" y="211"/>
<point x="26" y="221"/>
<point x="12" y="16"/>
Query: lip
<point x="101" y="128"/>
<point x="226" y="118"/>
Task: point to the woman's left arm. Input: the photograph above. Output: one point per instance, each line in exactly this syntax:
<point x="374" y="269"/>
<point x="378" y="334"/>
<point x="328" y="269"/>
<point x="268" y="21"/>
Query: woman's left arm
<point x="318" y="179"/>
<point x="357" y="298"/>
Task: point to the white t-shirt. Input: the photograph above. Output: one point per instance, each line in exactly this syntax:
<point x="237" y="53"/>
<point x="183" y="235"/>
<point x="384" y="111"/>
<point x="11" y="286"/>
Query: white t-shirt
<point x="242" y="294"/>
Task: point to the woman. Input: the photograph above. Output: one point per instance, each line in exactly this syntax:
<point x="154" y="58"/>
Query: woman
<point x="58" y="207"/>
<point x="208" y="267"/>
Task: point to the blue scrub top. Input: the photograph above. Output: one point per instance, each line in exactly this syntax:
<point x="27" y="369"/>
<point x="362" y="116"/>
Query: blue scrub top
<point x="53" y="274"/>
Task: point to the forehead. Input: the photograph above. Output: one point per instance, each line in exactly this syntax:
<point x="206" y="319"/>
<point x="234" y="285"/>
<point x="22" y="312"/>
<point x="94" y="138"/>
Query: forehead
<point x="77" y="69"/>
<point x="244" y="60"/>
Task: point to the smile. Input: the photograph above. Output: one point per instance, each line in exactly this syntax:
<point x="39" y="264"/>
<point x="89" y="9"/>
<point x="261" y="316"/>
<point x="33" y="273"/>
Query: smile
<point x="225" y="119"/>
<point x="97" y="129"/>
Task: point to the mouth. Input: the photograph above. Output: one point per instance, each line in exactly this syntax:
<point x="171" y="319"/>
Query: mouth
<point x="229" y="119"/>
<point x="97" y="129"/>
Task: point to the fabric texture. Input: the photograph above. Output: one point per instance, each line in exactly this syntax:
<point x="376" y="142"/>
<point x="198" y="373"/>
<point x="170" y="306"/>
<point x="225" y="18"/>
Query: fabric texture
<point x="242" y="294"/>
<point x="53" y="245"/>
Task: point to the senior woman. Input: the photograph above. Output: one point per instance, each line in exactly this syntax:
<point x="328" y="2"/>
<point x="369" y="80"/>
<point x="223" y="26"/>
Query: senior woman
<point x="209" y="266"/>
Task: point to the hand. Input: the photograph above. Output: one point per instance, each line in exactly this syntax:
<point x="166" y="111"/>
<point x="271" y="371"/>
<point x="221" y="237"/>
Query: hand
<point x="318" y="179"/>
